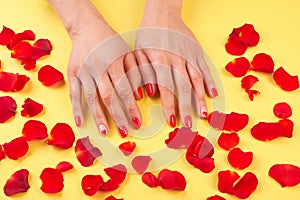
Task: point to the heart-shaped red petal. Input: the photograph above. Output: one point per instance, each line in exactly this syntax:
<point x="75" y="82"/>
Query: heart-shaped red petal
<point x="8" y="108"/>
<point x="62" y="136"/>
<point x="49" y="76"/>
<point x="6" y="36"/>
<point x="127" y="147"/>
<point x="31" y="108"/>
<point x="238" y="67"/>
<point x="117" y="173"/>
<point x="235" y="47"/>
<point x="64" y="166"/>
<point x="141" y="163"/>
<point x="180" y="138"/>
<point x="226" y="180"/>
<point x="239" y="159"/>
<point x="171" y="180"/>
<point x="150" y="179"/>
<point x="17" y="148"/>
<point x="17" y="183"/>
<point x="285" y="81"/>
<point x="282" y="110"/>
<point x="90" y="184"/>
<point x="247" y="34"/>
<point x="86" y="153"/>
<point x="34" y="129"/>
<point x="249" y="81"/>
<point x="52" y="180"/>
<point x="286" y="175"/>
<point x="41" y="47"/>
<point x="228" y="141"/>
<point x="262" y="62"/>
<point x="245" y="186"/>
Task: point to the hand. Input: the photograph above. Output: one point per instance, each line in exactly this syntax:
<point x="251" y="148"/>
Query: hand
<point x="171" y="59"/>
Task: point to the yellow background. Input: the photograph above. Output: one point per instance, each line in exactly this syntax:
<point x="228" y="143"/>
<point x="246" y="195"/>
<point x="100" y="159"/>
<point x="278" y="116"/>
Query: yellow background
<point x="211" y="20"/>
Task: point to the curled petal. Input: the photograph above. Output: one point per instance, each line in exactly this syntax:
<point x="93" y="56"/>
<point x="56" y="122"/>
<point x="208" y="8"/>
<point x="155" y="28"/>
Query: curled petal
<point x="282" y="110"/>
<point x="127" y="147"/>
<point x="8" y="108"/>
<point x="41" y="47"/>
<point x="52" y="180"/>
<point x="17" y="38"/>
<point x="228" y="141"/>
<point x="239" y="159"/>
<point x="33" y="130"/>
<point x="31" y="108"/>
<point x="235" y="47"/>
<point x="245" y="186"/>
<point x="247" y="34"/>
<point x="90" y="184"/>
<point x="10" y="82"/>
<point x="286" y="175"/>
<point x="171" y="180"/>
<point x="62" y="136"/>
<point x="226" y="180"/>
<point x="262" y="62"/>
<point x="49" y="76"/>
<point x="17" y="148"/>
<point x="64" y="166"/>
<point x="285" y="81"/>
<point x="22" y="51"/>
<point x="238" y="67"/>
<point x="17" y="183"/>
<point x="251" y="93"/>
<point x="6" y="36"/>
<point x="86" y="153"/>
<point x="116" y="173"/>
<point x="141" y="163"/>
<point x="249" y="81"/>
<point x="180" y="138"/>
<point x="150" y="179"/>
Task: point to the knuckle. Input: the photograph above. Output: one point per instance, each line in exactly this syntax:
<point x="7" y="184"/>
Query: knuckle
<point x="107" y="98"/>
<point x="125" y="93"/>
<point x="90" y="97"/>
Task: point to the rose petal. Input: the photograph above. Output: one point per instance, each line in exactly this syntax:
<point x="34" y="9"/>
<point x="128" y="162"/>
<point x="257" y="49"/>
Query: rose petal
<point x="62" y="136"/>
<point x="2" y="153"/>
<point x="49" y="76"/>
<point x="86" y="153"/>
<point x="22" y="51"/>
<point x="282" y="110"/>
<point x="249" y="81"/>
<point x="286" y="175"/>
<point x="41" y="47"/>
<point x="216" y="197"/>
<point x="206" y="165"/>
<point x="238" y="67"/>
<point x="116" y="173"/>
<point x="180" y="138"/>
<point x="150" y="179"/>
<point x="262" y="62"/>
<point x="10" y="82"/>
<point x="229" y="122"/>
<point x="17" y="183"/>
<point x="112" y="198"/>
<point x="33" y="130"/>
<point x="247" y="34"/>
<point x="6" y="36"/>
<point x="251" y="93"/>
<point x="235" y="47"/>
<point x="109" y="186"/>
<point x="31" y="108"/>
<point x="226" y="180"/>
<point x="127" y="147"/>
<point x="28" y="64"/>
<point x="200" y="148"/>
<point x="285" y="81"/>
<point x="52" y="180"/>
<point x="171" y="180"/>
<point x="17" y="148"/>
<point x="141" y="163"/>
<point x="90" y="184"/>
<point x="239" y="159"/>
<point x="245" y="186"/>
<point x="64" y="166"/>
<point x="17" y="38"/>
<point x="228" y="141"/>
<point x="8" y="108"/>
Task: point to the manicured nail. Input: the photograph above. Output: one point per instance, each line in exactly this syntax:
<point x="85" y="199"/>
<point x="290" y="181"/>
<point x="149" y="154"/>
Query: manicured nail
<point x="149" y="89"/>
<point x="103" y="129"/>
<point x="77" y="121"/>
<point x="123" y="131"/>
<point x="188" y="121"/>
<point x="140" y="92"/>
<point x="214" y="92"/>
<point x="173" y="120"/>
<point x="203" y="111"/>
<point x="136" y="122"/>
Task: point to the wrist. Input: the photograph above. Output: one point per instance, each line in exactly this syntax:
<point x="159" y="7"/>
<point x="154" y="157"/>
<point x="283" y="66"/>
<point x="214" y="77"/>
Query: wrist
<point x="163" y="8"/>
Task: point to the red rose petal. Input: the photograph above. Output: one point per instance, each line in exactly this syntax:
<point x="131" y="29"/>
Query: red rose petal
<point x="10" y="82"/>
<point x="228" y="141"/>
<point x="22" y="51"/>
<point x="17" y="148"/>
<point x="17" y="38"/>
<point x="180" y="138"/>
<point x="171" y="180"/>
<point x="2" y="153"/>
<point x="226" y="180"/>
<point x="141" y="163"/>
<point x="31" y="108"/>
<point x="28" y="64"/>
<point x="229" y="122"/>
<point x="266" y="131"/>
<point x="90" y="184"/>
<point x="116" y="173"/>
<point x="216" y="197"/>
<point x="127" y="147"/>
<point x="52" y="180"/>
<point x="150" y="179"/>
<point x="6" y="36"/>
<point x="86" y="153"/>
<point x="112" y="198"/>
<point x="109" y="186"/>
<point x="49" y="76"/>
<point x="282" y="110"/>
<point x="249" y="81"/>
<point x="41" y="47"/>
<point x="285" y="81"/>
<point x="238" y="67"/>
<point x="286" y="175"/>
<point x="239" y="159"/>
<point x="17" y="183"/>
<point x="262" y="62"/>
<point x="235" y="46"/>
<point x="8" y="108"/>
<point x="62" y="136"/>
<point x="206" y="165"/>
<point x="33" y="130"/>
<point x="251" y="94"/>
<point x="245" y="186"/>
<point x="247" y="34"/>
<point x="64" y="166"/>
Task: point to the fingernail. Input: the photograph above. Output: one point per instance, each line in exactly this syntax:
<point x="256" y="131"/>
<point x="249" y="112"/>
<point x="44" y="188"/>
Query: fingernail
<point x="78" y="121"/>
<point x="140" y="92"/>
<point x="136" y="122"/>
<point x="173" y="120"/>
<point x="203" y="111"/>
<point x="103" y="129"/>
<point x="149" y="89"/>
<point x="188" y="121"/>
<point x="214" y="92"/>
<point x="123" y="131"/>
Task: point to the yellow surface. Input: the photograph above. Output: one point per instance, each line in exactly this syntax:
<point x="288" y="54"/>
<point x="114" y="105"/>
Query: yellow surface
<point x="211" y="21"/>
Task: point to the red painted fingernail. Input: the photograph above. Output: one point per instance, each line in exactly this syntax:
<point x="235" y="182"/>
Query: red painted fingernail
<point x="78" y="121"/>
<point x="140" y="92"/>
<point x="173" y="120"/>
<point x="123" y="131"/>
<point x="203" y="111"/>
<point x="103" y="129"/>
<point x="214" y="92"/>
<point x="188" y="121"/>
<point x="149" y="89"/>
<point x="136" y="122"/>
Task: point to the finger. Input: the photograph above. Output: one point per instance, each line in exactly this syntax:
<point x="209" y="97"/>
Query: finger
<point x="133" y="75"/>
<point x="76" y="100"/>
<point x="124" y="92"/>
<point x="208" y="80"/>
<point x="147" y="72"/>
<point x="198" y="90"/>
